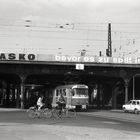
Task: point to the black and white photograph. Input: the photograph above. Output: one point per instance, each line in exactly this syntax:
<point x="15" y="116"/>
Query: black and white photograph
<point x="69" y="69"/>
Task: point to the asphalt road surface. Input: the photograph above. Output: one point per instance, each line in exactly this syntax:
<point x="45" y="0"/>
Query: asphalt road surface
<point x="15" y="125"/>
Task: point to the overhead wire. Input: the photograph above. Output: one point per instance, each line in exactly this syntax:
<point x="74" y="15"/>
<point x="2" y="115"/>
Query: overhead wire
<point x="84" y="28"/>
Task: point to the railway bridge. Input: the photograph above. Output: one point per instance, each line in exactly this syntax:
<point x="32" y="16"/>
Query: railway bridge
<point x="24" y="76"/>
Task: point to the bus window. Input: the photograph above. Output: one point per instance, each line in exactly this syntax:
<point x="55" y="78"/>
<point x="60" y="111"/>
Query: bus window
<point x="57" y="92"/>
<point x="60" y="91"/>
<point x="81" y="92"/>
<point x="72" y="92"/>
<point x="64" y="92"/>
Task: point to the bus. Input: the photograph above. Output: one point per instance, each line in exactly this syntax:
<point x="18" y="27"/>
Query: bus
<point x="76" y="96"/>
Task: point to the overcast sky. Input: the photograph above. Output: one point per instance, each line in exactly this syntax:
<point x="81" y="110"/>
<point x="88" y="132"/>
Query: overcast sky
<point x="57" y="12"/>
<point x="72" y="10"/>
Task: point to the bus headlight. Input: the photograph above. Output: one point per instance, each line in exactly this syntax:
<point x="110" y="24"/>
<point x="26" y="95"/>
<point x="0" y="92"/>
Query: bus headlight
<point x="73" y="107"/>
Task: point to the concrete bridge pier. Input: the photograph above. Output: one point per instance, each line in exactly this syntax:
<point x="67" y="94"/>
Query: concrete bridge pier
<point x="22" y="89"/>
<point x="126" y="89"/>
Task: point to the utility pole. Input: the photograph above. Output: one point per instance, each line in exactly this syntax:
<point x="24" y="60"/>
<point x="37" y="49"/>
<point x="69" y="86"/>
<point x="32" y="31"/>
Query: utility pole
<point x="109" y="49"/>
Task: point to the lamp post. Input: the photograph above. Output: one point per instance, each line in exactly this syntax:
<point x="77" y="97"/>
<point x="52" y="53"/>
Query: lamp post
<point x="126" y="89"/>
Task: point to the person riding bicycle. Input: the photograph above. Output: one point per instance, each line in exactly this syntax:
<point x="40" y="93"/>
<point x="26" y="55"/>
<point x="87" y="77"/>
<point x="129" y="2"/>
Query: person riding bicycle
<point x="40" y="103"/>
<point x="61" y="102"/>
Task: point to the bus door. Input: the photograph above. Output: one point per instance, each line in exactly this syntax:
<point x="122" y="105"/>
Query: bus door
<point x="69" y="97"/>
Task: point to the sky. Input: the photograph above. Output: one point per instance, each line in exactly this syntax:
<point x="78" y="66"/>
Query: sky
<point x="69" y="26"/>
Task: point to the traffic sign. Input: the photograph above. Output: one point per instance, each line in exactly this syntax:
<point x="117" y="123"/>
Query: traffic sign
<point x="79" y="66"/>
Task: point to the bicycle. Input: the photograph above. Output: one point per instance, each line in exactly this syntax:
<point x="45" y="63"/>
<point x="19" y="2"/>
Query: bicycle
<point x="33" y="112"/>
<point x="66" y="112"/>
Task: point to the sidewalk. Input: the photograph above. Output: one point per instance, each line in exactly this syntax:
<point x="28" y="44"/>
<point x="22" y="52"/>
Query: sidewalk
<point x="11" y="109"/>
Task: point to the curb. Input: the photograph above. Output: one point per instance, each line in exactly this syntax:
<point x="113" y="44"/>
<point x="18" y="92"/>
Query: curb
<point x="11" y="110"/>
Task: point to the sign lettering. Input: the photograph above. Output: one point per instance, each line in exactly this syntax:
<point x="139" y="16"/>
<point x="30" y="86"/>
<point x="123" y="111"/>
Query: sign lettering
<point x="14" y="56"/>
<point x="96" y="59"/>
<point x="68" y="58"/>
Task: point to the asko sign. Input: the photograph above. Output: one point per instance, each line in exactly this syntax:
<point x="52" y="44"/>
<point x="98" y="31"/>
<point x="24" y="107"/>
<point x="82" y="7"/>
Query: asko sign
<point x="18" y="56"/>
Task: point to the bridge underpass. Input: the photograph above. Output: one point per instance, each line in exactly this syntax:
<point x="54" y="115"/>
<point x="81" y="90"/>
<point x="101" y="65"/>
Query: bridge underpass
<point x="111" y="91"/>
<point x="36" y="84"/>
<point x="9" y="90"/>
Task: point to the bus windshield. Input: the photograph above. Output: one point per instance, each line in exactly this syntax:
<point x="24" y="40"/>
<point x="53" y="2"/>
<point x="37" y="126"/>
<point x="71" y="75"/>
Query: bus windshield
<point x="81" y="92"/>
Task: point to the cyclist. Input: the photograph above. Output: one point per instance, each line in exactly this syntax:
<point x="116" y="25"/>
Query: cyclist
<point x="61" y="102"/>
<point x="40" y="103"/>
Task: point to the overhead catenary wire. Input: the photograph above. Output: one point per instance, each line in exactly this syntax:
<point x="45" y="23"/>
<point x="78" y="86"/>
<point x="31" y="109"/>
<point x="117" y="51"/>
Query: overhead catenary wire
<point x="96" y="32"/>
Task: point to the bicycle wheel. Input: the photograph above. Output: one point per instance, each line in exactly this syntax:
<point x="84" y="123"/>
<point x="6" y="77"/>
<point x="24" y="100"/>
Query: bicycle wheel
<point x="55" y="113"/>
<point x="47" y="113"/>
<point x="71" y="113"/>
<point x="31" y="113"/>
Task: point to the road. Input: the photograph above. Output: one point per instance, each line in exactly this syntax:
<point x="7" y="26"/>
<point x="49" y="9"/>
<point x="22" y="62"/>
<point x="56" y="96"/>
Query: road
<point x="15" y="125"/>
